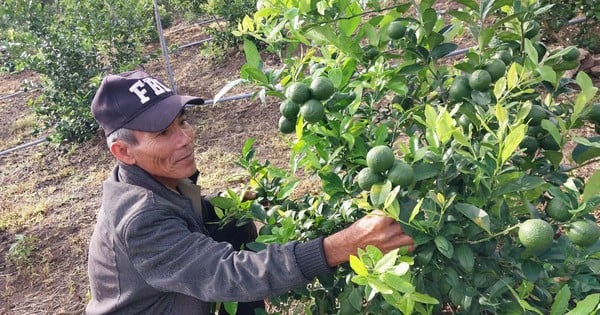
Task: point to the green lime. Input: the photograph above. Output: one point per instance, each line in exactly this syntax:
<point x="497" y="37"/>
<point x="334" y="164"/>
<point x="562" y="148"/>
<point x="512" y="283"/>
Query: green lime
<point x="536" y="235"/>
<point x="536" y="115"/>
<point x="298" y="92"/>
<point x="548" y="143"/>
<point x="480" y="80"/>
<point x="401" y="174"/>
<point x="370" y="52"/>
<point x="380" y="158"/>
<point x="558" y="210"/>
<point x="289" y="109"/>
<point x="532" y="28"/>
<point x="529" y="144"/>
<point x="460" y="88"/>
<point x="396" y="30"/>
<point x="584" y="233"/>
<point x="571" y="54"/>
<point x="594" y="113"/>
<point x="505" y="55"/>
<point x="321" y="88"/>
<point x="367" y="178"/>
<point x="541" y="50"/>
<point x="312" y="111"/>
<point x="496" y="68"/>
<point x="286" y="125"/>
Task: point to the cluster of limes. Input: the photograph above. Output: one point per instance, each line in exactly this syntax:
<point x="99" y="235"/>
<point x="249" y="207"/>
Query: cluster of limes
<point x="382" y="165"/>
<point x="537" y="137"/>
<point x="480" y="80"/>
<point x="537" y="235"/>
<point x="306" y="100"/>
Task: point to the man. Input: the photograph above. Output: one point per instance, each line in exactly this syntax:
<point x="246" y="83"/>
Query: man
<point x="151" y="252"/>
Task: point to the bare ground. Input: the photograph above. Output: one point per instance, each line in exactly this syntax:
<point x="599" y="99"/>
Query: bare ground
<point x="57" y="190"/>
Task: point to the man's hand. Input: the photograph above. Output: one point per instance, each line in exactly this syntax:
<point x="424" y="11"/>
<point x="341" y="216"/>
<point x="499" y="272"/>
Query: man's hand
<point x="374" y="229"/>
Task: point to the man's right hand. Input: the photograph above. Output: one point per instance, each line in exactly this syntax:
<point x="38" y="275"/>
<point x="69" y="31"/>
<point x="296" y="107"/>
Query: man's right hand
<point x="373" y="229"/>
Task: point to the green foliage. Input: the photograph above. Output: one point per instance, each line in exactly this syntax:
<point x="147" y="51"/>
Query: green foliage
<point x="474" y="182"/>
<point x="563" y="11"/>
<point x="99" y="38"/>
<point x="232" y="12"/>
<point x="21" y="250"/>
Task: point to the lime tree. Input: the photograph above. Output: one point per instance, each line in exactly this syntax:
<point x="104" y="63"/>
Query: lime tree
<point x="312" y="111"/>
<point x="401" y="174"/>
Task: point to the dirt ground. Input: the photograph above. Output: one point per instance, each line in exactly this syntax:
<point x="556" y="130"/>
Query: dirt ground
<point x="59" y="189"/>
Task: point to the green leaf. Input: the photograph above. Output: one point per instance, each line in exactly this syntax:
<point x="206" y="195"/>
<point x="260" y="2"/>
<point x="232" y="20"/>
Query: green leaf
<point x="360" y="280"/>
<point x="423" y="298"/>
<point x="397" y="283"/>
<point x="475" y="214"/>
<point x="463" y="16"/>
<point x="379" y="286"/>
<point x="512" y="141"/>
<point x="444" y="246"/>
<point x="386" y="262"/>
<point x="587" y="305"/>
<point x="525" y="182"/>
<point x="348" y="26"/>
<point x="442" y="50"/>
<point x="512" y="77"/>
<point x="358" y="266"/>
<point x="231" y="307"/>
<point x="552" y="129"/>
<point x="464" y="254"/>
<point x="226" y="89"/>
<point x="252" y="55"/>
<point x="379" y="193"/>
<point x="592" y="186"/>
<point x="561" y="301"/>
<point x="222" y="202"/>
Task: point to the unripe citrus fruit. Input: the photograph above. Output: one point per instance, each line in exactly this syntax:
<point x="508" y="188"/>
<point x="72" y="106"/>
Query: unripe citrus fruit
<point x="370" y="52"/>
<point x="529" y="144"/>
<point x="312" y="111"/>
<point x="504" y="55"/>
<point x="286" y="125"/>
<point x="571" y="54"/>
<point x="536" y="235"/>
<point x="401" y="174"/>
<point x="380" y="158"/>
<point x="531" y="29"/>
<point x="396" y="30"/>
<point x="460" y="88"/>
<point x="536" y="115"/>
<point x="480" y="80"/>
<point x="584" y="233"/>
<point x="321" y="88"/>
<point x="558" y="210"/>
<point x="496" y="68"/>
<point x="367" y="178"/>
<point x="289" y="109"/>
<point x="548" y="143"/>
<point x="298" y="92"/>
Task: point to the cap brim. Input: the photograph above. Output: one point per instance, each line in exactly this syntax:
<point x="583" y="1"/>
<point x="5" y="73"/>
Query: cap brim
<point x="160" y="115"/>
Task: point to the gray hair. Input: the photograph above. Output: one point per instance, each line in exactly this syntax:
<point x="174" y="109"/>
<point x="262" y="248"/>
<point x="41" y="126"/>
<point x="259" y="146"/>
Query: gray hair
<point x="124" y="134"/>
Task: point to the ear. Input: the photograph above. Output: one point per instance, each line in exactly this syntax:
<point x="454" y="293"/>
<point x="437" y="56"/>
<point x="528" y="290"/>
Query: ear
<point x="122" y="151"/>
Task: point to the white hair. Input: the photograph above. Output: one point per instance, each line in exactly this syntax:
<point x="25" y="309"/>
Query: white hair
<point x="124" y="134"/>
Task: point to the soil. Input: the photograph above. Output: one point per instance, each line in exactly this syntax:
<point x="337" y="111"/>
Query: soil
<point x="59" y="189"/>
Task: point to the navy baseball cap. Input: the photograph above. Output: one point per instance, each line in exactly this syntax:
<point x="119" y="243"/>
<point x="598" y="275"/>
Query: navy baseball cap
<point x="135" y="100"/>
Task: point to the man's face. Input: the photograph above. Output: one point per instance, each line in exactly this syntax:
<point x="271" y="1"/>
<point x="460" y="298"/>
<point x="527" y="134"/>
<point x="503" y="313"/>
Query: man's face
<point x="167" y="155"/>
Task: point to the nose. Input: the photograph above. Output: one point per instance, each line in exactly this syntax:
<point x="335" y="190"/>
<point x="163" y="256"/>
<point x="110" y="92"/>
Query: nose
<point x="184" y="135"/>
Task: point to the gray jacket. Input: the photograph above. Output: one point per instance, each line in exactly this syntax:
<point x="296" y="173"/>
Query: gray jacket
<point x="150" y="253"/>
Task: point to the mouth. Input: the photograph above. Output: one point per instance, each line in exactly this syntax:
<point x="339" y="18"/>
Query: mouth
<point x="187" y="157"/>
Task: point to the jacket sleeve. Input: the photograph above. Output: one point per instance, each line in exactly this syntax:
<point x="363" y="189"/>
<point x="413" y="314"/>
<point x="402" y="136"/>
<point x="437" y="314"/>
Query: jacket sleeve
<point x="172" y="259"/>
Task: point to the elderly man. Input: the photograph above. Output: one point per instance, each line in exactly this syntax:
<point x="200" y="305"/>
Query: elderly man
<point x="151" y="252"/>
